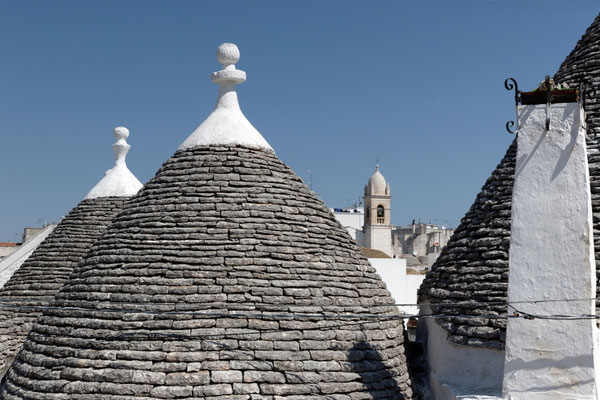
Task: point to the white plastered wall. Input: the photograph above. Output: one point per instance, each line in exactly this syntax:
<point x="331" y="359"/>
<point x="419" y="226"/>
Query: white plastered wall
<point x="551" y="258"/>
<point x="393" y="273"/>
<point x="460" y="372"/>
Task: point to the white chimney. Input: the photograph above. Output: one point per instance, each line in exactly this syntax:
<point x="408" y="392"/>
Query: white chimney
<point x="551" y="259"/>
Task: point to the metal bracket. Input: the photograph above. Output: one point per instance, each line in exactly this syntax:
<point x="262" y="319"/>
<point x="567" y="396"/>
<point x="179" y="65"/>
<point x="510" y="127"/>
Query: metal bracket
<point x="511" y="84"/>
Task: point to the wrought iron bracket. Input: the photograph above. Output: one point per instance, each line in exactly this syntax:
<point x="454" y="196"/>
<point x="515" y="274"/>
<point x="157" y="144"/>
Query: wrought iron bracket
<point x="511" y="84"/>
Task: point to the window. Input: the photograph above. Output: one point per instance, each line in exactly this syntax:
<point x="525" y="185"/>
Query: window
<point x="380" y="214"/>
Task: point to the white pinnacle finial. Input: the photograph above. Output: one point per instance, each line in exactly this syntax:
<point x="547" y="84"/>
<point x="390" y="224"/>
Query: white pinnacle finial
<point x="121" y="147"/>
<point x="228" y="54"/>
<point x="227" y="125"/>
<point x="118" y="181"/>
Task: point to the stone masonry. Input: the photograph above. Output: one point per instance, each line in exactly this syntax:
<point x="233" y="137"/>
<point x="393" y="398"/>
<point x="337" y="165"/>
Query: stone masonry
<point x="224" y="278"/>
<point x="473" y="267"/>
<point x="36" y="282"/>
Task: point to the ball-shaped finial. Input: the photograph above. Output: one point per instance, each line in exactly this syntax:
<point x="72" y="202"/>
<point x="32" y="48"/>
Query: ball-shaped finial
<point x="121" y="132"/>
<point x="228" y="53"/>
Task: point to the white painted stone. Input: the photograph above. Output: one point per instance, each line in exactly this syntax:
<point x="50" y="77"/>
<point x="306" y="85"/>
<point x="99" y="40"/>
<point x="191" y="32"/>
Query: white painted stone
<point x="227" y="125"/>
<point x="12" y="263"/>
<point x="551" y="257"/>
<point x="460" y="372"/>
<point x="118" y="181"/>
<point x="376" y="184"/>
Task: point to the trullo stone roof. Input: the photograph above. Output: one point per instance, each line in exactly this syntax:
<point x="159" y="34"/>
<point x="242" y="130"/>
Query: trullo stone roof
<point x="224" y="278"/>
<point x="41" y="276"/>
<point x="474" y="265"/>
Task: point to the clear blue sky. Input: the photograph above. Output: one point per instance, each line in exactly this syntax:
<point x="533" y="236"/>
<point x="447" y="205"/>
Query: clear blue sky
<point x="332" y="85"/>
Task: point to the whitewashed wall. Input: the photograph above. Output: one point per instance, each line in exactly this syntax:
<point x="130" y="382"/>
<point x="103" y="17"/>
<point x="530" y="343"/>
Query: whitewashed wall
<point x="402" y="286"/>
<point x="551" y="257"/>
<point x="460" y="372"/>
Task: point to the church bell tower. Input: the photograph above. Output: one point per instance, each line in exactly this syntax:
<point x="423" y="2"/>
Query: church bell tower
<point x="377" y="226"/>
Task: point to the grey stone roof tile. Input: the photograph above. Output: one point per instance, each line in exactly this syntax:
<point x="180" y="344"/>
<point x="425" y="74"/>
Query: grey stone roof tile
<point x="42" y="275"/>
<point x="225" y="277"/>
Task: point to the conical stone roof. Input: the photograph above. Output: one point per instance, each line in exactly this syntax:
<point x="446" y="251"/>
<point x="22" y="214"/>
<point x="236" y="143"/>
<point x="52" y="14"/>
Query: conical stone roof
<point x="474" y="265"/>
<point x="41" y="276"/>
<point x="224" y="278"/>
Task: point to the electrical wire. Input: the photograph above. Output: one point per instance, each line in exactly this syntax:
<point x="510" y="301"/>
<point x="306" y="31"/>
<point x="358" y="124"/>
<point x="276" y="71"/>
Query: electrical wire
<point x="364" y="319"/>
<point x="464" y="304"/>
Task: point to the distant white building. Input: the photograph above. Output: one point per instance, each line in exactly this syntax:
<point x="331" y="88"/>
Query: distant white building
<point x="32" y="238"/>
<point x="398" y="253"/>
<point x="351" y="218"/>
<point x="402" y="282"/>
<point x="371" y="227"/>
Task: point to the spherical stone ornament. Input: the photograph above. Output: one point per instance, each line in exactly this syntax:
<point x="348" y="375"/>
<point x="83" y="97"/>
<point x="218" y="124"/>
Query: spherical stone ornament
<point x="120" y="132"/>
<point x="228" y="53"/>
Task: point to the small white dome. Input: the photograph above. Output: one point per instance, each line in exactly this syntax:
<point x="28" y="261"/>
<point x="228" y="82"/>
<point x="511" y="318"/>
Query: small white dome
<point x="376" y="184"/>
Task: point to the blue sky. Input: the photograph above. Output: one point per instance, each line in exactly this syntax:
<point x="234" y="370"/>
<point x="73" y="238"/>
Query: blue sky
<point x="333" y="86"/>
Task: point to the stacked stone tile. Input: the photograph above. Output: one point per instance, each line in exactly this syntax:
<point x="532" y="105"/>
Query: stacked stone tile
<point x="473" y="268"/>
<point x="38" y="280"/>
<point x="41" y="276"/>
<point x="224" y="278"/>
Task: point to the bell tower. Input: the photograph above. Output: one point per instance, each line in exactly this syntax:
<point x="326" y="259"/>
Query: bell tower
<point x="377" y="227"/>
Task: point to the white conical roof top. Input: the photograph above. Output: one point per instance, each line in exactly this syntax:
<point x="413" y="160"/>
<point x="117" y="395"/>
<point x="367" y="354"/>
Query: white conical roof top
<point x="227" y="125"/>
<point x="118" y="181"/>
<point x="376" y="184"/>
